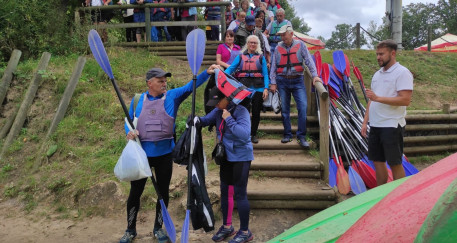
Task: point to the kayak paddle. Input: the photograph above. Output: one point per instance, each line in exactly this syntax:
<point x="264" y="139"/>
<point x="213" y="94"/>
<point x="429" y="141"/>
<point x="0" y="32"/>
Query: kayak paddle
<point x="195" y="50"/>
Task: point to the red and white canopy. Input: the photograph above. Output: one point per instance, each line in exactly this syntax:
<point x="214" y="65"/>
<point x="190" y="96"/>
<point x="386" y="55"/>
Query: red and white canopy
<point x="311" y="43"/>
<point x="445" y="43"/>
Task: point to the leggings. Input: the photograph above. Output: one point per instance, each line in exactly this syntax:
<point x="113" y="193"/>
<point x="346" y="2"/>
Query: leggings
<point x="255" y="105"/>
<point x="163" y="169"/>
<point x="234" y="181"/>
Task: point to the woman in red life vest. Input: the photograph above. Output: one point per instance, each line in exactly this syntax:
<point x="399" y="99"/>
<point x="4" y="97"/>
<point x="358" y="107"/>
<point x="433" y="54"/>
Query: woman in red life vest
<point x="252" y="71"/>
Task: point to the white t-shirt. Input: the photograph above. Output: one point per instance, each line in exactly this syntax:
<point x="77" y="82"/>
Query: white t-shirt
<point x="387" y="84"/>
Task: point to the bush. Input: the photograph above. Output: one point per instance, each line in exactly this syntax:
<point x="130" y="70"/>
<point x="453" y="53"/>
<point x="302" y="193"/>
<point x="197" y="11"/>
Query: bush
<point x="36" y="26"/>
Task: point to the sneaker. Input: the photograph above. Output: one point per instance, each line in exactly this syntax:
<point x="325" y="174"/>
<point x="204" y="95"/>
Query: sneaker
<point x="223" y="233"/>
<point x="241" y="237"/>
<point x="303" y="143"/>
<point x="128" y="236"/>
<point x="161" y="236"/>
<point x="254" y="139"/>
<point x="286" y="140"/>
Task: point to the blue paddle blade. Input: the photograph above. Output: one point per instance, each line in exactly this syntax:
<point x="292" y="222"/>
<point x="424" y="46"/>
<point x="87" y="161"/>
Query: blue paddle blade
<point x="339" y="60"/>
<point x="367" y="161"/>
<point x="98" y="50"/>
<point x="334" y="77"/>
<point x="409" y="168"/>
<point x="185" y="228"/>
<point x="195" y="49"/>
<point x="357" y="184"/>
<point x="169" y="226"/>
<point x="332" y="173"/>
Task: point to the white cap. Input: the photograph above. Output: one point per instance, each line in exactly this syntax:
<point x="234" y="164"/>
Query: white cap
<point x="285" y="28"/>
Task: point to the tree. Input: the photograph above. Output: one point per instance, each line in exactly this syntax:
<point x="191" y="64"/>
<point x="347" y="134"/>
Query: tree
<point x="298" y="23"/>
<point x="447" y="11"/>
<point x="344" y="38"/>
<point x="416" y="19"/>
<point x="377" y="33"/>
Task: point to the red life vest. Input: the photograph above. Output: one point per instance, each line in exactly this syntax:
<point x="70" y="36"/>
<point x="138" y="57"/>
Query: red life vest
<point x="250" y="73"/>
<point x="250" y="66"/>
<point x="289" y="60"/>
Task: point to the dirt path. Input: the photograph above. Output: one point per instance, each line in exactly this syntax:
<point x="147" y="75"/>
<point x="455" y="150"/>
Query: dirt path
<point x="45" y="225"/>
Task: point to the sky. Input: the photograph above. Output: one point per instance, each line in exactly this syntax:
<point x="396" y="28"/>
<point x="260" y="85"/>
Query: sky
<point x="323" y="15"/>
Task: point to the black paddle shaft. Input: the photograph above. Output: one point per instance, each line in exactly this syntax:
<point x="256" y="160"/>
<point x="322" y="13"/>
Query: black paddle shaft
<point x="189" y="166"/>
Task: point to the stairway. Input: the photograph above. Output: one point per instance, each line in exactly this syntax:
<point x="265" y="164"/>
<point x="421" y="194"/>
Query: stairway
<point x="284" y="176"/>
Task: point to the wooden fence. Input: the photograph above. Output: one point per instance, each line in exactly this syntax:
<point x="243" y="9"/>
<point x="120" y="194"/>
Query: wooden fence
<point x="147" y="8"/>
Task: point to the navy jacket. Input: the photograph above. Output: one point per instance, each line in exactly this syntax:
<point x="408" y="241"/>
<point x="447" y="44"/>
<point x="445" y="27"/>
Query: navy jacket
<point x="237" y="133"/>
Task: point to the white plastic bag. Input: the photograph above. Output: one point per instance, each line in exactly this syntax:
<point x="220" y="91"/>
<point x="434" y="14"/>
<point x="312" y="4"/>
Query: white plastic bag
<point x="133" y="163"/>
<point x="273" y="101"/>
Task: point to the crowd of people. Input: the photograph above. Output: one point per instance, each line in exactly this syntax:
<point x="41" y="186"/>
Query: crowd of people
<point x="258" y="51"/>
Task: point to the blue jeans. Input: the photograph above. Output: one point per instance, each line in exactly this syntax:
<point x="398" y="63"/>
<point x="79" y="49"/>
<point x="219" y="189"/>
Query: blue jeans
<point x="162" y="17"/>
<point x="297" y="88"/>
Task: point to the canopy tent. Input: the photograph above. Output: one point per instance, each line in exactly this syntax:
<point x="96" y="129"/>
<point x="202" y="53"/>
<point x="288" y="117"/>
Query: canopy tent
<point x="311" y="43"/>
<point x="445" y="43"/>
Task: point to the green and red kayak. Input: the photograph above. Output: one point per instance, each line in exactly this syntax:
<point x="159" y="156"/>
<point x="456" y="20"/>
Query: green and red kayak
<point x="400" y="215"/>
<point x="441" y="223"/>
<point x="330" y="224"/>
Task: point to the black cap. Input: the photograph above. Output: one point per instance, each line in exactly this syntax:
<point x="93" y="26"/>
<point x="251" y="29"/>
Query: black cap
<point x="156" y="73"/>
<point x="214" y="97"/>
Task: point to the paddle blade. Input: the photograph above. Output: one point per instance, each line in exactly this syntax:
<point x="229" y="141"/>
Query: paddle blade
<point x="347" y="70"/>
<point x="98" y="50"/>
<point x="195" y="49"/>
<point x="169" y="226"/>
<point x="337" y="72"/>
<point x="185" y="229"/>
<point x="358" y="74"/>
<point x="342" y="180"/>
<point x="338" y="60"/>
<point x="409" y="168"/>
<point x="368" y="174"/>
<point x="325" y="73"/>
<point x="332" y="173"/>
<point x="318" y="62"/>
<point x="357" y="185"/>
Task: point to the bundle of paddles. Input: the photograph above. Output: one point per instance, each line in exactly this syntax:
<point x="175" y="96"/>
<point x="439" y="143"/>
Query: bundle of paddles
<point x="349" y="166"/>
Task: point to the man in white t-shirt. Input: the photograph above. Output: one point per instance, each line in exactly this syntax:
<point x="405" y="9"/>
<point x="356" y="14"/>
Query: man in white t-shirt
<point x="390" y="94"/>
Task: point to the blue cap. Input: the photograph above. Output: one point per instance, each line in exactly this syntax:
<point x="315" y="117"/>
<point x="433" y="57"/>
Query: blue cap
<point x="250" y="20"/>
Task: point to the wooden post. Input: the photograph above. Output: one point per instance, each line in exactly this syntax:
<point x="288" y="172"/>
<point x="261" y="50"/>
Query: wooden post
<point x="8" y="74"/>
<point x="429" y="38"/>
<point x="68" y="93"/>
<point x="311" y="103"/>
<point x="147" y="13"/>
<point x="324" y="152"/>
<point x="26" y="103"/>
<point x="446" y="108"/>
<point x="223" y="24"/>
<point x="357" y="40"/>
<point x="9" y="121"/>
<point x="63" y="105"/>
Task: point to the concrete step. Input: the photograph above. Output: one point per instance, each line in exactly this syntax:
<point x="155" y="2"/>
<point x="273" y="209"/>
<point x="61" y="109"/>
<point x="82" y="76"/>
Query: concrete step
<point x="289" y="193"/>
<point x="272" y="116"/>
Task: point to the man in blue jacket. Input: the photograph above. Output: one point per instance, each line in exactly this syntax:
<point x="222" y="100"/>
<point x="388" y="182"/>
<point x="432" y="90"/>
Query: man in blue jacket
<point x="155" y="114"/>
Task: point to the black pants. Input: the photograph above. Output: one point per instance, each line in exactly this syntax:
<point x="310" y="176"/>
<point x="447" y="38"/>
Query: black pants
<point x="163" y="166"/>
<point x="256" y="105"/>
<point x="130" y="33"/>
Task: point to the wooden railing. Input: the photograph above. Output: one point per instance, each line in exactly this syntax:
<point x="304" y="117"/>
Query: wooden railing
<point x="147" y="8"/>
<point x="323" y="128"/>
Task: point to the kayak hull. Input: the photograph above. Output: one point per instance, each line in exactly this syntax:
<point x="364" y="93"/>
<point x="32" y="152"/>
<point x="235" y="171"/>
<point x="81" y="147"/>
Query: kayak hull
<point x="330" y="224"/>
<point x="399" y="216"/>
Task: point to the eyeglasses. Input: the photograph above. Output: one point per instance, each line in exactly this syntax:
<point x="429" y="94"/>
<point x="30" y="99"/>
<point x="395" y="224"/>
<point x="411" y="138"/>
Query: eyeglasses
<point x="252" y="43"/>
